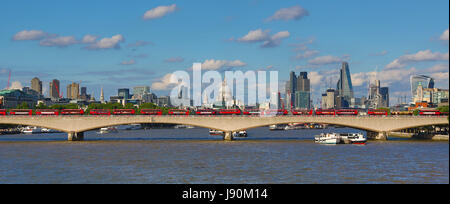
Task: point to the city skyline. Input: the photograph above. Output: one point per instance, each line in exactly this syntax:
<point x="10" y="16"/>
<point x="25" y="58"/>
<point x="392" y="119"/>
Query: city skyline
<point x="143" y="46"/>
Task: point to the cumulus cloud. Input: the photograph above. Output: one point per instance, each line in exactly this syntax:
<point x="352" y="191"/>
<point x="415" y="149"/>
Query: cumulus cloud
<point x="163" y="84"/>
<point x="306" y="54"/>
<point x="421" y="56"/>
<point x="325" y="60"/>
<point x="438" y="68"/>
<point x="88" y="39"/>
<point x="130" y="62"/>
<point x="15" y="85"/>
<point x="212" y="64"/>
<point x="159" y="12"/>
<point x="292" y="13"/>
<point x="256" y="36"/>
<point x="30" y="35"/>
<point x="62" y="41"/>
<point x="174" y="60"/>
<point x="107" y="43"/>
<point x="444" y="36"/>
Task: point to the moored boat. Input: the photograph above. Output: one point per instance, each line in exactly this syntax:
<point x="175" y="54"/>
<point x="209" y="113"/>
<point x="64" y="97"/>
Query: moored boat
<point x="329" y="138"/>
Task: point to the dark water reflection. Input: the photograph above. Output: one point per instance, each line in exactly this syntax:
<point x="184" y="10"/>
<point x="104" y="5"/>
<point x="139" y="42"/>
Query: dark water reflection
<point x="192" y="156"/>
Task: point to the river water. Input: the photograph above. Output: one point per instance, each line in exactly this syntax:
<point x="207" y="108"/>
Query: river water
<point x="192" y="156"/>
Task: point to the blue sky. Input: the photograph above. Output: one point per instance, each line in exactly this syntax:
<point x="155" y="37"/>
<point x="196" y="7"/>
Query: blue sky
<point x="398" y="37"/>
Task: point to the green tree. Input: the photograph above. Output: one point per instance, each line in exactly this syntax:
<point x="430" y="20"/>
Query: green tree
<point x="23" y="105"/>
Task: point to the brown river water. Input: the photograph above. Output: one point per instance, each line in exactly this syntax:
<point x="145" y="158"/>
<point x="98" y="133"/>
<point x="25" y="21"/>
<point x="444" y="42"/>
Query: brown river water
<point x="192" y="156"/>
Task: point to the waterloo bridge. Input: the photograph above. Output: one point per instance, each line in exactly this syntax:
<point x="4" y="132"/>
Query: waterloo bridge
<point x="75" y="126"/>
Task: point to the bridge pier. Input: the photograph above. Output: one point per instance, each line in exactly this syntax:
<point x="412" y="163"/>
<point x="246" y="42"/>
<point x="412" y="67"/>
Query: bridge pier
<point x="228" y="136"/>
<point x="75" y="136"/>
<point x="377" y="135"/>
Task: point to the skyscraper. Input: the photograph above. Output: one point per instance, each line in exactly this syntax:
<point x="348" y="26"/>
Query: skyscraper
<point x="102" y="96"/>
<point x="54" y="89"/>
<point x="344" y="85"/>
<point x="416" y="80"/>
<point x="73" y="91"/>
<point x="291" y="88"/>
<point x="302" y="93"/>
<point x="36" y="85"/>
<point x="125" y="93"/>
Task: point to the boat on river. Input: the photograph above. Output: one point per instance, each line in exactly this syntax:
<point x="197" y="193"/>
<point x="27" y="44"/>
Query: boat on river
<point x="328" y="138"/>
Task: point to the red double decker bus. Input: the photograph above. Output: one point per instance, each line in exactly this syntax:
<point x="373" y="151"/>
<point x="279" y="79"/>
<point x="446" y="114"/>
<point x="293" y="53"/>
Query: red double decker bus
<point x="178" y="112"/>
<point x="251" y="112"/>
<point x="347" y="112"/>
<point x="3" y="112"/>
<point x="377" y="112"/>
<point x="229" y="112"/>
<point x="21" y="112"/>
<point x="206" y="112"/>
<point x="302" y="112"/>
<point x="151" y="112"/>
<point x="124" y="112"/>
<point x="325" y="112"/>
<point x="72" y="112"/>
<point x="276" y="112"/>
<point x="100" y="112"/>
<point x="429" y="113"/>
<point x="47" y="112"/>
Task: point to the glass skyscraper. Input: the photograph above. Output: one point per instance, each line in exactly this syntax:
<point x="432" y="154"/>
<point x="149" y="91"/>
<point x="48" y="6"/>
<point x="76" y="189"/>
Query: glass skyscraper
<point x="344" y="85"/>
<point x="416" y="80"/>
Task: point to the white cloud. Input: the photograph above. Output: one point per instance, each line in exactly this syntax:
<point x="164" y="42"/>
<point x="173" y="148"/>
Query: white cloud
<point x="421" y="56"/>
<point x="88" y="39"/>
<point x="107" y="43"/>
<point x="307" y="54"/>
<point x="62" y="41"/>
<point x="292" y="13"/>
<point x="444" y="36"/>
<point x="324" y="60"/>
<point x="438" y="68"/>
<point x="315" y="78"/>
<point x="163" y="84"/>
<point x="259" y="35"/>
<point x="130" y="62"/>
<point x="212" y="64"/>
<point x="159" y="12"/>
<point x="30" y="35"/>
<point x="15" y="85"/>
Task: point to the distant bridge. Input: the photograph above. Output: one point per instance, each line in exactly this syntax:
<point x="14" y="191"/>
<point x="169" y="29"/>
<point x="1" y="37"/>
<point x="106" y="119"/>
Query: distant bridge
<point x="75" y="126"/>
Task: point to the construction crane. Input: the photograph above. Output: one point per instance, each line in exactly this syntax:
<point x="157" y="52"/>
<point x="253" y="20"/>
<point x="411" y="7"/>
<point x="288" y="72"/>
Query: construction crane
<point x="9" y="79"/>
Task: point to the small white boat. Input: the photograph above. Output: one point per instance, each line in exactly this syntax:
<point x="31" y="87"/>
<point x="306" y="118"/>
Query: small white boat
<point x="183" y="127"/>
<point x="46" y="130"/>
<point x="242" y="133"/>
<point x="108" y="130"/>
<point x="353" y="138"/>
<point x="31" y="130"/>
<point x="329" y="138"/>
<point x="277" y="127"/>
<point x="216" y="132"/>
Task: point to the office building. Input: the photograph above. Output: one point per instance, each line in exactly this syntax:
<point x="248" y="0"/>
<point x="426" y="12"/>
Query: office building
<point x="36" y="85"/>
<point x="344" y="85"/>
<point x="125" y="93"/>
<point x="73" y="91"/>
<point x="54" y="91"/>
<point x="420" y="80"/>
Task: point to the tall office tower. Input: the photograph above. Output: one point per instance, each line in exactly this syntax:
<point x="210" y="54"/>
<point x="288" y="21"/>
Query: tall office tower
<point x="83" y="91"/>
<point x="141" y="90"/>
<point x="69" y="91"/>
<point x="303" y="94"/>
<point x="291" y="88"/>
<point x="384" y="92"/>
<point x="331" y="99"/>
<point x="344" y="85"/>
<point x="75" y="91"/>
<point x="55" y="89"/>
<point x="102" y="96"/>
<point x="125" y="93"/>
<point x="36" y="85"/>
<point x="424" y="81"/>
